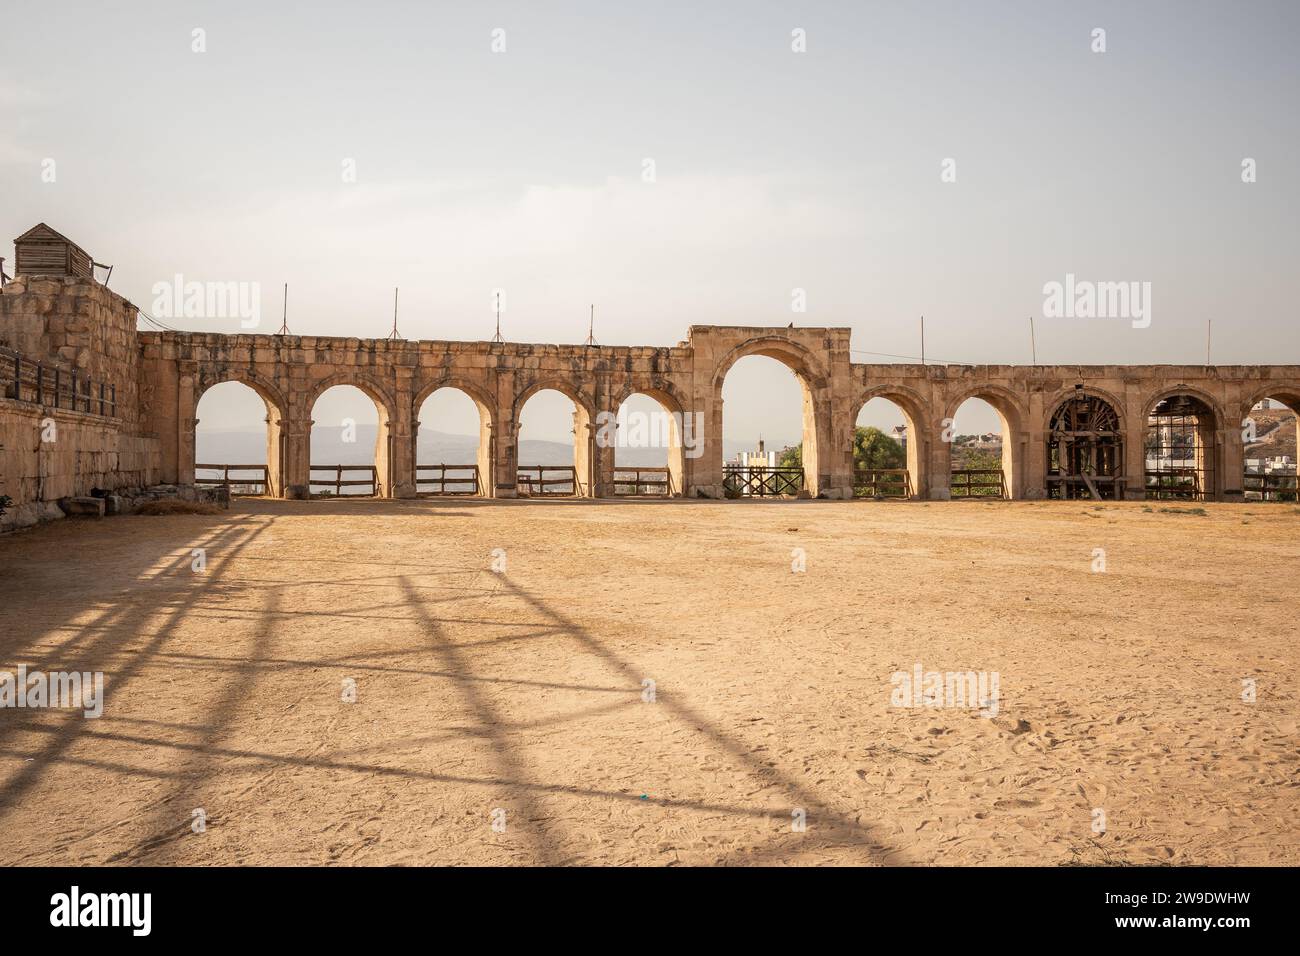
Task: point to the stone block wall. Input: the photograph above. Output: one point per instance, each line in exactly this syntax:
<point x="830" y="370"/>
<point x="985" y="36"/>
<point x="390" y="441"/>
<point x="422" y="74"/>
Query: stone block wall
<point x="46" y="455"/>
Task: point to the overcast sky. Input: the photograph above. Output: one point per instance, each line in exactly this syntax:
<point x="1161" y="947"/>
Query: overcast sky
<point x="774" y="170"/>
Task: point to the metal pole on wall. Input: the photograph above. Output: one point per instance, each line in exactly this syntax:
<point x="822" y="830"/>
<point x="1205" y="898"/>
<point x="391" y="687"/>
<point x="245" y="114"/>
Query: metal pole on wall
<point x="922" y="340"/>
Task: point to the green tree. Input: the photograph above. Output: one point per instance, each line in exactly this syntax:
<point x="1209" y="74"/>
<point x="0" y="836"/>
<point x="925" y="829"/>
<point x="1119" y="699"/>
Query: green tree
<point x="872" y="449"/>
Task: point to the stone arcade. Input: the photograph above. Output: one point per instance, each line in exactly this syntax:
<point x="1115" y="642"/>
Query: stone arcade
<point x="143" y="433"/>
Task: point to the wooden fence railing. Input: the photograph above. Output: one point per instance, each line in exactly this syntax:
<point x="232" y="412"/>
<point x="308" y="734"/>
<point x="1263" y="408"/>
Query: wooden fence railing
<point x="1262" y="487"/>
<point x="42" y="383"/>
<point x="642" y="482"/>
<point x="262" y="482"/>
<point x="754" y="481"/>
<point x="465" y="481"/>
<point x="547" y="481"/>
<point x="1181" y="484"/>
<point x="338" y="483"/>
<point x="882" y="483"/>
<point x="977" y="483"/>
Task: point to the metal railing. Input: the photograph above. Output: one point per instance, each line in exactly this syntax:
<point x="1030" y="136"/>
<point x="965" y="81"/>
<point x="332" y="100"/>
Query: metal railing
<point x="631" y="482"/>
<point x="49" y="385"/>
<point x="547" y="481"/>
<point x="235" y="485"/>
<point x="882" y="483"/>
<point x="977" y="483"/>
<point x="338" y="483"/>
<point x="465" y="482"/>
<point x="760" y="481"/>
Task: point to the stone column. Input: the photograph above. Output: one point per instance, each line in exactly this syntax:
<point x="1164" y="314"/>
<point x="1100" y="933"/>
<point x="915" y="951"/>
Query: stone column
<point x="938" y="449"/>
<point x="186" y="406"/>
<point x="295" y="451"/>
<point x="398" y="460"/>
<point x="1135" y="454"/>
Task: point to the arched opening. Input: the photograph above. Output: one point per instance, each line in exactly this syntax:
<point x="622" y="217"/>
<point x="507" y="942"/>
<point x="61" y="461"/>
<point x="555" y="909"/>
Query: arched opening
<point x="769" y="436"/>
<point x="237" y="440"/>
<point x="649" y="446"/>
<point x="349" y="444"/>
<point x="1180" y="449"/>
<point x="1085" y="450"/>
<point x="886" y="457"/>
<point x="980" y="450"/>
<point x="1269" y="436"/>
<point x="554" y="446"/>
<point x="453" y="440"/>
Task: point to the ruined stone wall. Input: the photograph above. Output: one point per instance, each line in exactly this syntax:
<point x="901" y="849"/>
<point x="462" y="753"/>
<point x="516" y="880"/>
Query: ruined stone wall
<point x="50" y="453"/>
<point x="78" y="324"/>
<point x="46" y="455"/>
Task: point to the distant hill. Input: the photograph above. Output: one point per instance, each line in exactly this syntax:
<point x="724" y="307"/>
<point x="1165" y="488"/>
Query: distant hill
<point x="1276" y="430"/>
<point x="434" y="447"/>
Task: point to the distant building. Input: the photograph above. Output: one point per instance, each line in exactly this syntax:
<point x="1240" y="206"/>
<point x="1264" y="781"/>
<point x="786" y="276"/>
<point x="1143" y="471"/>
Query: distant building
<point x="756" y="459"/>
<point x="899" y="434"/>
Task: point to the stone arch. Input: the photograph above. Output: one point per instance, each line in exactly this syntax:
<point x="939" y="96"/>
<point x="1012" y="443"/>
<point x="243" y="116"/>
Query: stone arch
<point x="818" y="450"/>
<point x="794" y="355"/>
<point x="386" y="450"/>
<point x="1083" y="462"/>
<point x="1279" y="487"/>
<point x="584" y="431"/>
<point x="1206" y="470"/>
<point x="277" y="411"/>
<point x="269" y="392"/>
<point x="482" y="399"/>
<point x="1288" y="393"/>
<point x="918" y="415"/>
<point x="1013" y="410"/>
<point x="680" y="446"/>
<point x="376" y="391"/>
<point x="564" y="386"/>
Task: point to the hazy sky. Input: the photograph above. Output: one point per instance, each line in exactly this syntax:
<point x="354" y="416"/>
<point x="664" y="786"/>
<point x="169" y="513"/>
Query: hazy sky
<point x="774" y="170"/>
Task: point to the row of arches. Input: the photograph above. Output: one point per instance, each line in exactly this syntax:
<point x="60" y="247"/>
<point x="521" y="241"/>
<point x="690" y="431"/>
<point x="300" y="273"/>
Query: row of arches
<point x="1088" y="451"/>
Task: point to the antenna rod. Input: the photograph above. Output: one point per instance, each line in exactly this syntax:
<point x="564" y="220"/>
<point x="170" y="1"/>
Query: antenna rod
<point x="284" y="319"/>
<point x="1209" y="323"/>
<point x="393" y="336"/>
<point x="922" y="340"/>
<point x="497" y="337"/>
<point x="1033" y="344"/>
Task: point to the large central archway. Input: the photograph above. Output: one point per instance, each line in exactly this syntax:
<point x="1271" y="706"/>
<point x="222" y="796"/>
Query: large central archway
<point x="813" y="449"/>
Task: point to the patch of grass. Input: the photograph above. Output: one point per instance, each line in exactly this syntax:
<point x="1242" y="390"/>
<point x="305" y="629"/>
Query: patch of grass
<point x="1183" y="511"/>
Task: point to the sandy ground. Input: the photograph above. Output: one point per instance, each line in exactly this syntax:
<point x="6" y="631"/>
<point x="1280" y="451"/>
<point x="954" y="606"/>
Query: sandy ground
<point x="522" y="692"/>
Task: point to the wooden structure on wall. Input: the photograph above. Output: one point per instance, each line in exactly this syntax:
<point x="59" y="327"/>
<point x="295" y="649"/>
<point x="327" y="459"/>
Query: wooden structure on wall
<point x="42" y="251"/>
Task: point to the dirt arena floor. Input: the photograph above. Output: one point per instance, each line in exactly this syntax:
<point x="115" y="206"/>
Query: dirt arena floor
<point x="518" y="698"/>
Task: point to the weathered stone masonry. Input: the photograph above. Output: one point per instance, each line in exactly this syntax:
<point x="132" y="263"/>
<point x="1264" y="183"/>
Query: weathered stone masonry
<point x="160" y="377"/>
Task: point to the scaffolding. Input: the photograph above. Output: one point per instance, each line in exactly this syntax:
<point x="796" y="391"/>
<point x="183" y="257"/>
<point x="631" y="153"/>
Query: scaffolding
<point x="1085" y="450"/>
